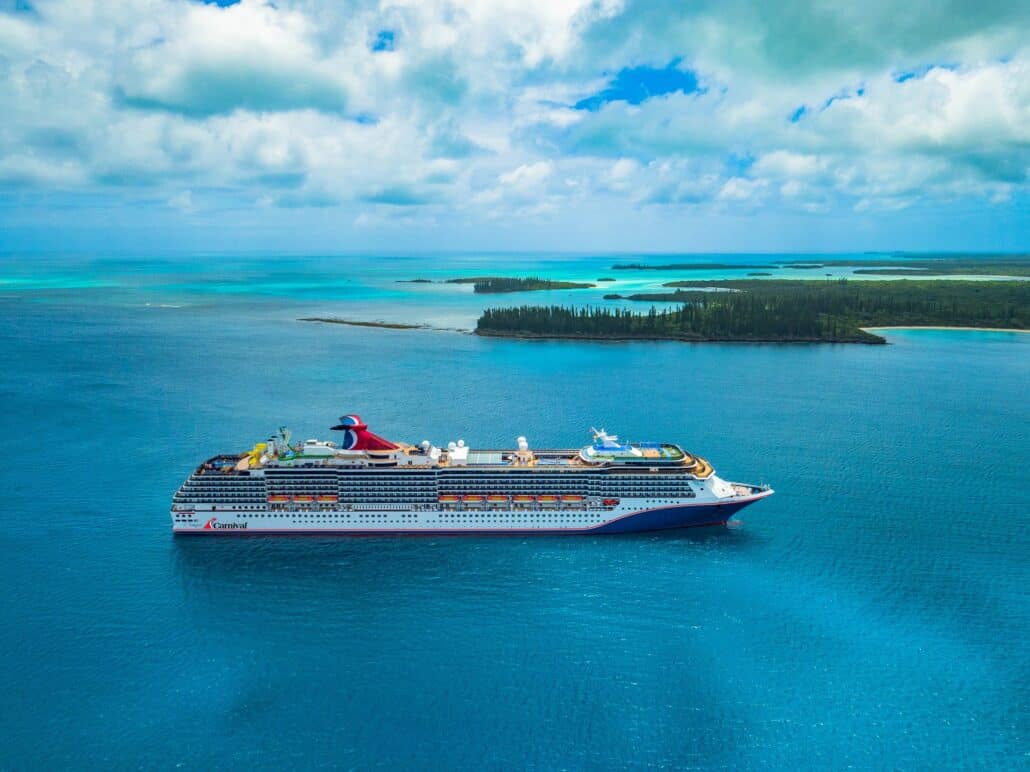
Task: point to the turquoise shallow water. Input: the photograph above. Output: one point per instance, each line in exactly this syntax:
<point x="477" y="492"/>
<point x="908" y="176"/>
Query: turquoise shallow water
<point x="374" y="288"/>
<point x="873" y="613"/>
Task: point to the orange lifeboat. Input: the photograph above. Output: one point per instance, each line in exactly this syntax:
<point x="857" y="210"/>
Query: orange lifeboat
<point x="522" y="498"/>
<point x="303" y="499"/>
<point x="276" y="498"/>
<point x="448" y="499"/>
<point x="547" y="499"/>
<point x="610" y="502"/>
<point x="327" y="498"/>
<point x="472" y="498"/>
<point x="497" y="498"/>
<point x="571" y="499"/>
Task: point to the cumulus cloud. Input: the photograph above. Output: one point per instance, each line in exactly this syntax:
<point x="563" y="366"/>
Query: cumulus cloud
<point x="527" y="176"/>
<point x="476" y="109"/>
<point x="204" y="60"/>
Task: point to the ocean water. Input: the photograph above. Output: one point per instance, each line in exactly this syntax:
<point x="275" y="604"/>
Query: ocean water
<point x="873" y="613"/>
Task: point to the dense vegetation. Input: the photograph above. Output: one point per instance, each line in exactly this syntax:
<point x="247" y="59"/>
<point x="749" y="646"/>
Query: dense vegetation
<point x="693" y="322"/>
<point x="497" y="284"/>
<point x="779" y="310"/>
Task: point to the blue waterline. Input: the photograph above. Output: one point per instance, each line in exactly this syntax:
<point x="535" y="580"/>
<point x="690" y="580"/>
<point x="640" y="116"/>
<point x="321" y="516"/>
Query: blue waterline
<point x="873" y="613"/>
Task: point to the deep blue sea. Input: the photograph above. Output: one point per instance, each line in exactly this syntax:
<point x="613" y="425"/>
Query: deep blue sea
<point x="874" y="613"/>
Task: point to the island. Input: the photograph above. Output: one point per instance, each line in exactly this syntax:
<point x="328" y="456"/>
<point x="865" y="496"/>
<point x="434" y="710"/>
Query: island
<point x="607" y="278"/>
<point x="778" y="310"/>
<point x="414" y="281"/>
<point x="688" y="267"/>
<point x="898" y="264"/>
<point x="500" y="284"/>
<point x="360" y="323"/>
<point x="936" y="265"/>
<point x="986" y="269"/>
<point x="759" y="273"/>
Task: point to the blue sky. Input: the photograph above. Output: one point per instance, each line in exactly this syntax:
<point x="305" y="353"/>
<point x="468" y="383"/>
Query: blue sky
<point x="540" y="125"/>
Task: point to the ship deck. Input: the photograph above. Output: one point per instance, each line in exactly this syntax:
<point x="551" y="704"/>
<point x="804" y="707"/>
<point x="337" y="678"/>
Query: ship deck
<point x="484" y="459"/>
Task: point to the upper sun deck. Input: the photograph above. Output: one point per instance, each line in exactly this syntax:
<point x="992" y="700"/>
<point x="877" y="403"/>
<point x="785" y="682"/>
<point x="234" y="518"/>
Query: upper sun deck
<point x="357" y="451"/>
<point x="606" y="449"/>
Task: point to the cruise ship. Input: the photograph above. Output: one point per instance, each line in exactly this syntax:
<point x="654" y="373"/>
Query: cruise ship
<point x="364" y="484"/>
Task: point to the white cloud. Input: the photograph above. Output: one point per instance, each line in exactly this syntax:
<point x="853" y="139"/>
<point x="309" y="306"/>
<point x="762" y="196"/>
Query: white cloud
<point x="527" y="176"/>
<point x="205" y="60"/>
<point x="471" y="112"/>
<point x="784" y="163"/>
<point x="740" y="189"/>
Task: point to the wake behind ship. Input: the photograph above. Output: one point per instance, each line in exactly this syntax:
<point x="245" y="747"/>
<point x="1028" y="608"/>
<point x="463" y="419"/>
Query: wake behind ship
<point x="365" y="484"/>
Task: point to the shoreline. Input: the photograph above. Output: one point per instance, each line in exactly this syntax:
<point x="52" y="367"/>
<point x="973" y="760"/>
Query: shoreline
<point x="631" y="338"/>
<point x="944" y="327"/>
<point x="656" y="338"/>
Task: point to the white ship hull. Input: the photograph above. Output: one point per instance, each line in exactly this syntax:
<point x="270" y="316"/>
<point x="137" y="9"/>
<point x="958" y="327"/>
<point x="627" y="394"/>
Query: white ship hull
<point x="630" y="515"/>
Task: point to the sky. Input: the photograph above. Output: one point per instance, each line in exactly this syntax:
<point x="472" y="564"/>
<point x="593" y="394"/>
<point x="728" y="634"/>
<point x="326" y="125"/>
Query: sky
<point x="553" y="125"/>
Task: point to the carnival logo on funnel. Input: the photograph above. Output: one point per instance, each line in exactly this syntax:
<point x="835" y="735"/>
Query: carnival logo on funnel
<point x="213" y="524"/>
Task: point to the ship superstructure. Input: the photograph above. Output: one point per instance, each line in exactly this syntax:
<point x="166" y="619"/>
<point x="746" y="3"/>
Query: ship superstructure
<point x="365" y="484"/>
